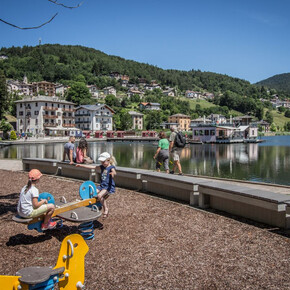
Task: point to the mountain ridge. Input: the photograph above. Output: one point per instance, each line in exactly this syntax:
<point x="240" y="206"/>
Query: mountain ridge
<point x="279" y="82"/>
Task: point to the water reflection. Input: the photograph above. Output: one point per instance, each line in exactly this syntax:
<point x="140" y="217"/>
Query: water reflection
<point x="255" y="162"/>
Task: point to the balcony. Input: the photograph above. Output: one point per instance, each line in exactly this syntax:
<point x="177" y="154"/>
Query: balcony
<point x="49" y="108"/>
<point x="67" y="117"/>
<point x="82" y="121"/>
<point x="68" y="110"/>
<point x="49" y="117"/>
<point x="49" y="124"/>
<point x="68" y="125"/>
<point x="82" y="114"/>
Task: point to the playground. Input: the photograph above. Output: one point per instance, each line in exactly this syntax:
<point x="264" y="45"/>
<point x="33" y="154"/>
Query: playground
<point x="148" y="243"/>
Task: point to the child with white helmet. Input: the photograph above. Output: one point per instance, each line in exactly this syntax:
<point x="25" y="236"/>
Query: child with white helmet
<point x="28" y="204"/>
<point x="107" y="185"/>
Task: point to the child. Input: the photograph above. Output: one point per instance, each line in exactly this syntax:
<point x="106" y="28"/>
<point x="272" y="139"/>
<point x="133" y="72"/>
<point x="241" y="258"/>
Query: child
<point x="28" y="204"/>
<point x="81" y="155"/>
<point x="107" y="185"/>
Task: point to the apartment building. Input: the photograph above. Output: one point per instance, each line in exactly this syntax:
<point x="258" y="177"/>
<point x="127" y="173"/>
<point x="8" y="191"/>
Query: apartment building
<point x="45" y="115"/>
<point x="94" y="117"/>
<point x="182" y="120"/>
<point x="137" y="119"/>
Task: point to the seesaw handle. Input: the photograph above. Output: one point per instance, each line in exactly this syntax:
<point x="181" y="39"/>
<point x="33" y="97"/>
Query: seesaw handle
<point x="65" y="257"/>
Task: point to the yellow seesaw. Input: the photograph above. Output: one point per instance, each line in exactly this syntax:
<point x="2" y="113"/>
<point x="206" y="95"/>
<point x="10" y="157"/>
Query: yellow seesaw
<point x="69" y="272"/>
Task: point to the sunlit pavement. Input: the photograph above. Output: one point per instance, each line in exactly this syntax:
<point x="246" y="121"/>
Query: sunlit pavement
<point x="9" y="164"/>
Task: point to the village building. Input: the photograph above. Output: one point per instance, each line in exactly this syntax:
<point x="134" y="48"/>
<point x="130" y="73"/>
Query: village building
<point x="110" y="91"/>
<point x="192" y="94"/>
<point x="60" y="90"/>
<point x="151" y="87"/>
<point x="200" y="120"/>
<point x="217" y="119"/>
<point x="265" y="126"/>
<point x="208" y="96"/>
<point x="149" y="106"/>
<point x="94" y="118"/>
<point x="45" y="115"/>
<point x="137" y="119"/>
<point x="94" y="91"/>
<point x="46" y="88"/>
<point x="242" y="120"/>
<point x="22" y="88"/>
<point x="213" y="133"/>
<point x="133" y="92"/>
<point x="169" y="92"/>
<point x="182" y="120"/>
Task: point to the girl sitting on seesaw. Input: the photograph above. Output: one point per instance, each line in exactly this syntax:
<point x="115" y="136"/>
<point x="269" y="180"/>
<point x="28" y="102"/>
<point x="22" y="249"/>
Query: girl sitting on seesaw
<point x="28" y="204"/>
<point x="107" y="185"/>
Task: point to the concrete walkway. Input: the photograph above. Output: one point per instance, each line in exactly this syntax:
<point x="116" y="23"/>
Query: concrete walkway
<point x="11" y="164"/>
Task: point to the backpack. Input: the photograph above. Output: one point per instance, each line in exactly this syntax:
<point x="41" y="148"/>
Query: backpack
<point x="180" y="140"/>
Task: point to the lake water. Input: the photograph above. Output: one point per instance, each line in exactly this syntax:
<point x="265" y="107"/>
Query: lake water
<point x="264" y="162"/>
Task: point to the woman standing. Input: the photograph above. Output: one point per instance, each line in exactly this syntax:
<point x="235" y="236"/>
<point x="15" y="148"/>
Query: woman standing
<point x="162" y="153"/>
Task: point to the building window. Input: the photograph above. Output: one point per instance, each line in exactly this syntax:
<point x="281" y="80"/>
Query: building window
<point x="36" y="104"/>
<point x="36" y="113"/>
<point x="20" y="105"/>
<point x="21" y="113"/>
<point x="36" y="122"/>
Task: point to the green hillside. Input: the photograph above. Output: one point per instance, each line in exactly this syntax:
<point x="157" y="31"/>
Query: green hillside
<point x="59" y="63"/>
<point x="279" y="82"/>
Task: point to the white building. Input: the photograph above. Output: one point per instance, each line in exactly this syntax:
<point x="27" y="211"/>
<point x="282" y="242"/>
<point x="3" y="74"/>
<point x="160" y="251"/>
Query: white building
<point x="60" y="89"/>
<point x="217" y="119"/>
<point x="45" y="115"/>
<point x="137" y="119"/>
<point x="192" y="95"/>
<point x="110" y="91"/>
<point x="94" y="117"/>
<point x="94" y="91"/>
<point x="21" y="88"/>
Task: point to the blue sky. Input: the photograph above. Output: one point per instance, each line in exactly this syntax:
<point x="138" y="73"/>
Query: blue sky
<point x="248" y="39"/>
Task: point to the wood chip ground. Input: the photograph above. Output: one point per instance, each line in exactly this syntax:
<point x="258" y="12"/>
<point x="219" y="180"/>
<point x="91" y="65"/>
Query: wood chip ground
<point x="149" y="243"/>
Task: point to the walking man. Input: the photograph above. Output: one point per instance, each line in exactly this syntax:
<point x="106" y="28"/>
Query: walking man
<point x="175" y="151"/>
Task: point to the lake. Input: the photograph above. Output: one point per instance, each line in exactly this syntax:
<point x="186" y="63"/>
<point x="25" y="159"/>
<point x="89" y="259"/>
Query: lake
<point x="264" y="162"/>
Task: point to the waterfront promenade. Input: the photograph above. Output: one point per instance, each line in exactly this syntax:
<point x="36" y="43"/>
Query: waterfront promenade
<point x="150" y="243"/>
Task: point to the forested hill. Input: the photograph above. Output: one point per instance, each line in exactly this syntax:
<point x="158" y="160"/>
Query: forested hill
<point x="279" y="82"/>
<point x="59" y="63"/>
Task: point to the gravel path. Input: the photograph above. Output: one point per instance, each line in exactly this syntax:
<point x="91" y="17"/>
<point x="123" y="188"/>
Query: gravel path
<point x="149" y="243"/>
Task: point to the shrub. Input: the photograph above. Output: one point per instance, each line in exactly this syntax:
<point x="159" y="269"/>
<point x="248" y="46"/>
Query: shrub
<point x="13" y="135"/>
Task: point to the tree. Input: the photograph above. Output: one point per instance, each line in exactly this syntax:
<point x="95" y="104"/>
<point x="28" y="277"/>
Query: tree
<point x="287" y="126"/>
<point x="112" y="101"/>
<point x="273" y="127"/>
<point x="153" y="120"/>
<point x="259" y="112"/>
<point x="287" y="114"/>
<point x="79" y="94"/>
<point x="3" y="95"/>
<point x="281" y="109"/>
<point x="5" y="127"/>
<point x="269" y="117"/>
<point x="126" y="122"/>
